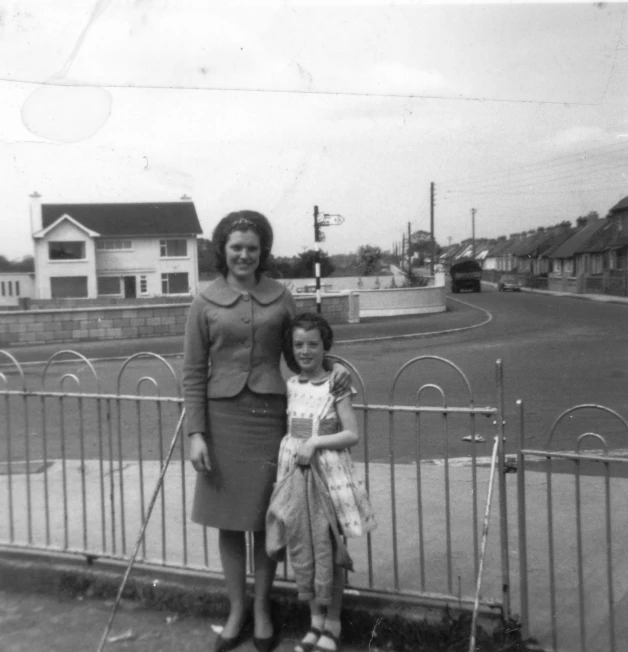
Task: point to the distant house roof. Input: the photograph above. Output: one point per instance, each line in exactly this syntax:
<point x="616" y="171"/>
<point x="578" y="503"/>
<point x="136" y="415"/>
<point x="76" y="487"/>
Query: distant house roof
<point x="549" y="247"/>
<point x="579" y="240"/>
<point x="166" y="218"/>
<point x="620" y="207"/>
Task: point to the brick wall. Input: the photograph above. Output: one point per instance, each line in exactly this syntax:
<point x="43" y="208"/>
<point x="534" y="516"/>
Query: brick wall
<point x="24" y="327"/>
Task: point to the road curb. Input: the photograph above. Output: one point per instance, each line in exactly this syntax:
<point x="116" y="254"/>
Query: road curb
<point x="370" y="619"/>
<point x="447" y="331"/>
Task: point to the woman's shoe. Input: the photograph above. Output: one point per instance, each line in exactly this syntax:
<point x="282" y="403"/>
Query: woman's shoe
<point x="223" y="644"/>
<point x="270" y="643"/>
<point x="266" y="644"/>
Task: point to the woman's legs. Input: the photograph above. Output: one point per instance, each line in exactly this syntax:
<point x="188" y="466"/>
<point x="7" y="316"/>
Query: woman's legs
<point x="232" y="547"/>
<point x="265" y="569"/>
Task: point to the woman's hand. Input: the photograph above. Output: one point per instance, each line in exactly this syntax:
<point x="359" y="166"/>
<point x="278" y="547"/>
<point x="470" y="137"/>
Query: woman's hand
<point x="340" y="379"/>
<point x="199" y="454"/>
<point x="306" y="451"/>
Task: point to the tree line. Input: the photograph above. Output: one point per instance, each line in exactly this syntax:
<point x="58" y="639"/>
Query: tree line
<point x="365" y="262"/>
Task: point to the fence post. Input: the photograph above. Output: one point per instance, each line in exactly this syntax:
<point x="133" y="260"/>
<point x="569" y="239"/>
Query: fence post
<point x="521" y="513"/>
<point x="503" y="510"/>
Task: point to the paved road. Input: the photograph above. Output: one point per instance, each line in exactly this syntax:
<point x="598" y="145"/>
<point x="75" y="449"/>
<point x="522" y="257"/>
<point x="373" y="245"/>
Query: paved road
<point x="556" y="352"/>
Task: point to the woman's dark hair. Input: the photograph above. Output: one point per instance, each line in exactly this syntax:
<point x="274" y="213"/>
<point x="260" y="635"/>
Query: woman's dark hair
<point x="242" y="221"/>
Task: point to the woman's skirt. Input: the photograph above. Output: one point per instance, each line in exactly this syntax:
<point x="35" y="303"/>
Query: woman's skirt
<point x="244" y="434"/>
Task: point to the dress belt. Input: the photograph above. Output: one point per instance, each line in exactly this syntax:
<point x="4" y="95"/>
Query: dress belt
<point x="301" y="427"/>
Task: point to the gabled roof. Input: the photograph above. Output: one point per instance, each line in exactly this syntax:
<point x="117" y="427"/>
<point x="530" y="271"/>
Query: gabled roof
<point x="164" y="218"/>
<point x="579" y="240"/>
<point x="498" y="247"/>
<point x="620" y="207"/>
<point x="548" y="248"/>
<point x="609" y="237"/>
<point x="65" y="218"/>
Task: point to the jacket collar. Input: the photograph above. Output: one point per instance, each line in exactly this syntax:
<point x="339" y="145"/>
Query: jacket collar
<point x="265" y="292"/>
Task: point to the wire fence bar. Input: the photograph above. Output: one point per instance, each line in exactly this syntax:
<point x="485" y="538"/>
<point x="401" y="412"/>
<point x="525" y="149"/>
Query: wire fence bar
<point x="503" y="502"/>
<point x="485" y="527"/>
<point x="522" y="527"/>
<point x="97" y="440"/>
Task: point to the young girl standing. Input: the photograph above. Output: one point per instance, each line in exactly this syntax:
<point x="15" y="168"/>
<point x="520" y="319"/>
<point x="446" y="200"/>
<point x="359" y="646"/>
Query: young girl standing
<point x="321" y="429"/>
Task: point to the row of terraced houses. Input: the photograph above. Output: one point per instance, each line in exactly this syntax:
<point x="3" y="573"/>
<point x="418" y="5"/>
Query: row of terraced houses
<point x="590" y="256"/>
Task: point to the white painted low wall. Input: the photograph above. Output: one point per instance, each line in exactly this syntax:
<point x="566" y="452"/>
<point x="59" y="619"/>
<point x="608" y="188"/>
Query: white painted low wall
<point x="342" y="283"/>
<point x="403" y="301"/>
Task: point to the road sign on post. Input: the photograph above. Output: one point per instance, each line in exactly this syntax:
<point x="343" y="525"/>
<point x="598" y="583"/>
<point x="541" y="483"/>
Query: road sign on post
<point x="319" y="236"/>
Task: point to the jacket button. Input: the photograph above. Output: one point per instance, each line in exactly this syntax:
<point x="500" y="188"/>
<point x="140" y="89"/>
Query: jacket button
<point x="246" y="297"/>
<point x="246" y="320"/>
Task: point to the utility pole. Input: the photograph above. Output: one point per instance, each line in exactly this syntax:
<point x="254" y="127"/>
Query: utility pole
<point x="409" y="249"/>
<point x="317" y="259"/>
<point x="403" y="249"/>
<point x="473" y="233"/>
<point x="432" y="228"/>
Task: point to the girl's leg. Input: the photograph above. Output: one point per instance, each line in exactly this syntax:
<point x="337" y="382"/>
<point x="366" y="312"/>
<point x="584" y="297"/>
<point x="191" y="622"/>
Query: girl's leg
<point x="264" y="575"/>
<point x="232" y="547"/>
<point x="332" y="618"/>
<point x="317" y="622"/>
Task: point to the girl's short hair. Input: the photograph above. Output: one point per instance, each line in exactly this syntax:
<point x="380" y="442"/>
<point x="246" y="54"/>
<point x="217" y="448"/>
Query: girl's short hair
<point x="242" y="221"/>
<point x="310" y="321"/>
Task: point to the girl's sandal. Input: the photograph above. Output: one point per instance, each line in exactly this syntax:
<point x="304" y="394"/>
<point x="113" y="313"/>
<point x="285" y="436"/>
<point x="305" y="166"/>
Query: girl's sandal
<point x="334" y="639"/>
<point x="303" y="646"/>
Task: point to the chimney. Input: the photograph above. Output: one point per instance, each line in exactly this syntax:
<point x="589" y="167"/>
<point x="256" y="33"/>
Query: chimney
<point x="36" y="223"/>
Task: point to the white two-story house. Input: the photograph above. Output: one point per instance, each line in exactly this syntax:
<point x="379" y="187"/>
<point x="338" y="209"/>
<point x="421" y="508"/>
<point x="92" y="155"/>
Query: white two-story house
<point x="114" y="250"/>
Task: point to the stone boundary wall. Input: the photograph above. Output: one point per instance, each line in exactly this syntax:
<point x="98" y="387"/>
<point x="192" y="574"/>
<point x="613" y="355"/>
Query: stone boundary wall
<point x="28" y="327"/>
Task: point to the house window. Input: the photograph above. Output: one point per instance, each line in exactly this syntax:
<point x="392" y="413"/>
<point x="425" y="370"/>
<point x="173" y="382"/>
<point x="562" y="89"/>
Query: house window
<point x="66" y="250"/>
<point x="173" y="248"/>
<point x="64" y="287"/>
<point x="3" y="289"/>
<point x="113" y="245"/>
<point x="10" y="288"/>
<point x="174" y="284"/>
<point x="143" y="285"/>
<point x="17" y="288"/>
<point x="108" y="285"/>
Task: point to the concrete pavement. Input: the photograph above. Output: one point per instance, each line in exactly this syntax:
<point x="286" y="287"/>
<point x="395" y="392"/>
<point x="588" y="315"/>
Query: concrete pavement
<point x="412" y="564"/>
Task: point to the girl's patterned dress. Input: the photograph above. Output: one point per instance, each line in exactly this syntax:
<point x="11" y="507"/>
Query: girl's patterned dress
<point x="311" y="407"/>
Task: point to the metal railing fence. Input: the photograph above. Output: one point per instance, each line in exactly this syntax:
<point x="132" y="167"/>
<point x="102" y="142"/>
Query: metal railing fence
<point x="81" y="458"/>
<point x="577" y="543"/>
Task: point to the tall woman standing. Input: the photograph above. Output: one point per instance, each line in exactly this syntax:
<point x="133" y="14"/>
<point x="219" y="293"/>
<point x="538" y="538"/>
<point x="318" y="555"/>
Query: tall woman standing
<point x="235" y="406"/>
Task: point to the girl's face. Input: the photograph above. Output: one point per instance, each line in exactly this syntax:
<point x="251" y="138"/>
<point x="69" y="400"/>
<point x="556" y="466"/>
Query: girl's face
<point x="308" y="350"/>
<point x="242" y="253"/>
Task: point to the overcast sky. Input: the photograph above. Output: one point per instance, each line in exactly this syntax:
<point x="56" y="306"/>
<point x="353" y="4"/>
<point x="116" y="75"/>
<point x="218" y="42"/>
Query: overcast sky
<point x="518" y="111"/>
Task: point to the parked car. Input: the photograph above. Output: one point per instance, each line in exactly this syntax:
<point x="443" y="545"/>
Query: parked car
<point x="509" y="283"/>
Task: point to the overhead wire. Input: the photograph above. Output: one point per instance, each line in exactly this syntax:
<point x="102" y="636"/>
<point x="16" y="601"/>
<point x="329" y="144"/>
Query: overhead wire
<point x="543" y="164"/>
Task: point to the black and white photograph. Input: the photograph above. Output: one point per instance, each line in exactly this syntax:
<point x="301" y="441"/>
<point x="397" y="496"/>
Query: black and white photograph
<point x="313" y="326"/>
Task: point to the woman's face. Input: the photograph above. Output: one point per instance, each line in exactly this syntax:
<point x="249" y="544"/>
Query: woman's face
<point x="308" y="350"/>
<point x="242" y="253"/>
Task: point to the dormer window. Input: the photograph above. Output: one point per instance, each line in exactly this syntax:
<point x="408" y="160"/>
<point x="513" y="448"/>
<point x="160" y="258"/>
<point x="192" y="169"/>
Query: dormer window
<point x="174" y="248"/>
<point x="70" y="250"/>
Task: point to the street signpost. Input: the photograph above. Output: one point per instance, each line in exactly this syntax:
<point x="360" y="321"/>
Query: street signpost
<point x="327" y="220"/>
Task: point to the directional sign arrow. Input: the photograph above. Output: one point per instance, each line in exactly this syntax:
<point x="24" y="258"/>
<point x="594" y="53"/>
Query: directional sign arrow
<point x="333" y="220"/>
<point x="323" y="222"/>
